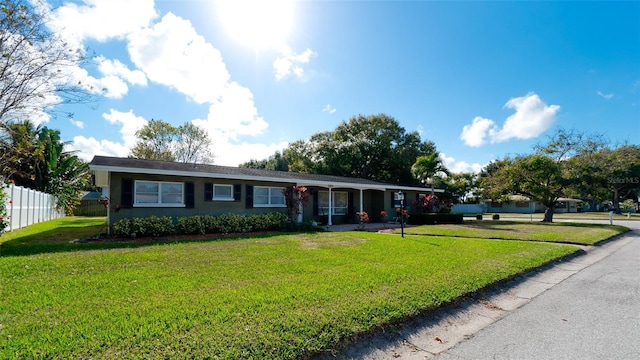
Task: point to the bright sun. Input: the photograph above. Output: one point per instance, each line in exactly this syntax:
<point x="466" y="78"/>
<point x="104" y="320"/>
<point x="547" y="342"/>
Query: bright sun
<point x="258" y="24"/>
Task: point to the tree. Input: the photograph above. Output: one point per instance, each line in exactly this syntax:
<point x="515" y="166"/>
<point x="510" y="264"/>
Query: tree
<point x="193" y="145"/>
<point x="34" y="63"/>
<point x="537" y="176"/>
<point x="462" y="187"/>
<point x="621" y="172"/>
<point x="34" y="157"/>
<point x="372" y="147"/>
<point x="159" y="140"/>
<point x="275" y="162"/>
<point x="155" y="141"/>
<point x="428" y="166"/>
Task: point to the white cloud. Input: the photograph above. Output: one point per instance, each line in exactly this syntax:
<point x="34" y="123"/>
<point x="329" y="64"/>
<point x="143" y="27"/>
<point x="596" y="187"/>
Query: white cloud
<point x="532" y="117"/>
<point x="171" y="53"/>
<point x="233" y="114"/>
<point x="233" y="154"/>
<point x="289" y="63"/>
<point x="115" y="68"/>
<point x="459" y="166"/>
<point x="76" y="123"/>
<point x="475" y="133"/>
<point x="328" y="109"/>
<point x="605" y="96"/>
<point x="87" y="148"/>
<point x="102" y="20"/>
<point x="129" y="123"/>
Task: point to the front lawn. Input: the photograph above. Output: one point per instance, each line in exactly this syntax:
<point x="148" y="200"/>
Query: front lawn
<point x="285" y="296"/>
<point x="573" y="233"/>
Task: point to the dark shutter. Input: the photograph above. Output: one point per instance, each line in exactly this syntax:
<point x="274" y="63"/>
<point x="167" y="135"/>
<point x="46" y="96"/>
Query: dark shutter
<point x="393" y="200"/>
<point x="237" y="192"/>
<point x="315" y="202"/>
<point x="248" y="199"/>
<point x="208" y="191"/>
<point x="189" y="194"/>
<point x="350" y="204"/>
<point x="126" y="193"/>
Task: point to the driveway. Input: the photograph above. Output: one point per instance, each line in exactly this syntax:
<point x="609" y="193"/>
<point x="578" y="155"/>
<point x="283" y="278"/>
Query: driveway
<point x="585" y="308"/>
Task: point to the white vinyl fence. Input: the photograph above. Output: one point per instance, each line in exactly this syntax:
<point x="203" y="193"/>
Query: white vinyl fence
<point x="468" y="209"/>
<point x="27" y="206"/>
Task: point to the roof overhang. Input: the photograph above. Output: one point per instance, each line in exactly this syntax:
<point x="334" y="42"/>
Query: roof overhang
<point x="101" y="169"/>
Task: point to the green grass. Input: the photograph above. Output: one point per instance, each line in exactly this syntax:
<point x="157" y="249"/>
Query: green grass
<point x="572" y="233"/>
<point x="54" y="236"/>
<point x="565" y="216"/>
<point x="276" y="297"/>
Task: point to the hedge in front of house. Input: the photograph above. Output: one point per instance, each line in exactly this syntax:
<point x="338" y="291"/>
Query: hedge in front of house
<point x="198" y="224"/>
<point x="432" y="219"/>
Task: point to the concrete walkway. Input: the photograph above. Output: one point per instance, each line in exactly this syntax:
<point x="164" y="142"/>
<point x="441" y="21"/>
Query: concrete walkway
<point x="492" y="326"/>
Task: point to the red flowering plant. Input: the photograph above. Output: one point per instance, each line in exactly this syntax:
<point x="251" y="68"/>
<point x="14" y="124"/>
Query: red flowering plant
<point x="295" y="197"/>
<point x="431" y="204"/>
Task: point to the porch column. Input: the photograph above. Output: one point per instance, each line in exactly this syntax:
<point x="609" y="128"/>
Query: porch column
<point x="329" y="222"/>
<point x="361" y="209"/>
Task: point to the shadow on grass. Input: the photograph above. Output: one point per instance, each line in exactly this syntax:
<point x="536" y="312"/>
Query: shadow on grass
<point x="46" y="242"/>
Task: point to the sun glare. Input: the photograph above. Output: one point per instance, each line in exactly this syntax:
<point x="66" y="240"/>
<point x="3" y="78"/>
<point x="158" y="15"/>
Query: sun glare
<point x="258" y="24"/>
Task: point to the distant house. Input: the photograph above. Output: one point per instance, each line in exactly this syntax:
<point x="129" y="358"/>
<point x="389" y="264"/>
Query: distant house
<point x="142" y="188"/>
<point x="518" y="204"/>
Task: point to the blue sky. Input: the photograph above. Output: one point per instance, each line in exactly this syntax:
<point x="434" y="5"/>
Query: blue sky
<point x="480" y="79"/>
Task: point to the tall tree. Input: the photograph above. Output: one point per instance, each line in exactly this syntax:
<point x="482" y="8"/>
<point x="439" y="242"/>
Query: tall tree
<point x="155" y="141"/>
<point x="546" y="175"/>
<point x="34" y="157"/>
<point x="193" y="145"/>
<point x="537" y="176"/>
<point x="275" y="162"/>
<point x="159" y="140"/>
<point x="371" y="147"/>
<point x="428" y="166"/>
<point x="34" y="63"/>
<point x="621" y="172"/>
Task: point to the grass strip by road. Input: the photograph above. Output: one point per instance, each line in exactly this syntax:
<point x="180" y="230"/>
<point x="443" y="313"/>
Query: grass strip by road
<point x="277" y="297"/>
<point x="571" y="233"/>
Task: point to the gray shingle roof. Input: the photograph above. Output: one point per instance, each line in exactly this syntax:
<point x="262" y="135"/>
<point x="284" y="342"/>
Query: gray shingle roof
<point x="117" y="164"/>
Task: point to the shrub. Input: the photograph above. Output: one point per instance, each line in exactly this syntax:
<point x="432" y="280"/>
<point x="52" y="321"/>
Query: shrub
<point x="201" y="224"/>
<point x="122" y="228"/>
<point x="479" y="217"/>
<point x="193" y="225"/>
<point x="151" y="226"/>
<point x="495" y="216"/>
<point x="289" y="226"/>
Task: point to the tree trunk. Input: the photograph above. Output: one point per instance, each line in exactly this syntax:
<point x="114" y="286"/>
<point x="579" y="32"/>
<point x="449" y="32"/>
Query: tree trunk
<point x="616" y="201"/>
<point x="548" y="214"/>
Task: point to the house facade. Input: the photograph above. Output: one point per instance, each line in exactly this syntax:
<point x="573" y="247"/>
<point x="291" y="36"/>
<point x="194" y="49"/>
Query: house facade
<point x="143" y="188"/>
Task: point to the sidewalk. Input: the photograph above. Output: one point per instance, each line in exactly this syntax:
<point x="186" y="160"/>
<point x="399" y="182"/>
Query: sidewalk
<point x="439" y="332"/>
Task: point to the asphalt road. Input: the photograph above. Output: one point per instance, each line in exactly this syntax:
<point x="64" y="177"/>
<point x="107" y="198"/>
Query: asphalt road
<point x="587" y="307"/>
<point x="593" y="314"/>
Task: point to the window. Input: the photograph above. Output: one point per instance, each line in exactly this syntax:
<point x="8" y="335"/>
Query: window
<point x="522" y="204"/>
<point x="339" y="203"/>
<point x="158" y="193"/>
<point x="268" y="197"/>
<point x="223" y="192"/>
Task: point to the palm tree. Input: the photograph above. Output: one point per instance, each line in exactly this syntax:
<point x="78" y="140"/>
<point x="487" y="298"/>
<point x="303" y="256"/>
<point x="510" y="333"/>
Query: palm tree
<point x="427" y="166"/>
